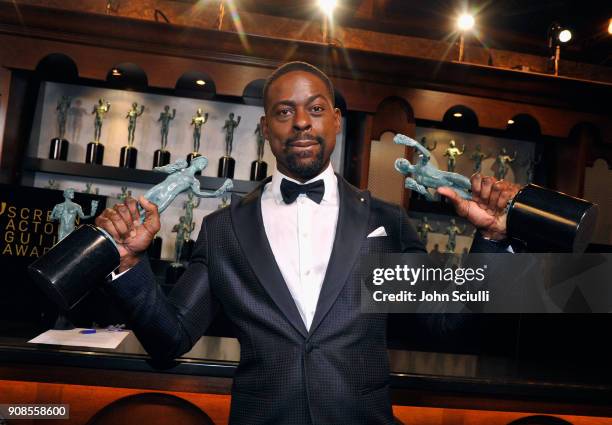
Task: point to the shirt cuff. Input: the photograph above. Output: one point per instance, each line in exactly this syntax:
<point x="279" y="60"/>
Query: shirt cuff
<point x="501" y="242"/>
<point x="114" y="275"/>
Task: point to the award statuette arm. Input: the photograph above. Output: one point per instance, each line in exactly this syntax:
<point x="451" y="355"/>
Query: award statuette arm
<point x="167" y="326"/>
<point x="94" y="208"/>
<point x="227" y="185"/>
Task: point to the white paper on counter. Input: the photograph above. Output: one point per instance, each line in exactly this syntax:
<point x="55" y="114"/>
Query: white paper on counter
<point x="101" y="339"/>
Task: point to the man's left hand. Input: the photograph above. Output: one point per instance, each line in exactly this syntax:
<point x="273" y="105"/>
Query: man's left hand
<point x="487" y="208"/>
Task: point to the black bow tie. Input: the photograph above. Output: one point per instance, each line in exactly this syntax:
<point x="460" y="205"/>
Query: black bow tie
<point x="291" y="190"/>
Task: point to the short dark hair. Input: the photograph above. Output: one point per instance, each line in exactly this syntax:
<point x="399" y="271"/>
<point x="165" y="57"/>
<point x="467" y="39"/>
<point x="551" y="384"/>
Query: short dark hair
<point x="298" y="66"/>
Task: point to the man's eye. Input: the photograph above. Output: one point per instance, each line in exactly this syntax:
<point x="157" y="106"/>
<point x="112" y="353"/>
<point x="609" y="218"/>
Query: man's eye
<point x="317" y="108"/>
<point x="284" y="112"/>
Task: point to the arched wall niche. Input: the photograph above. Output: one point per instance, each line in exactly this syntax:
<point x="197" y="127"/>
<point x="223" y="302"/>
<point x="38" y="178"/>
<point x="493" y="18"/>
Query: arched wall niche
<point x="393" y="115"/>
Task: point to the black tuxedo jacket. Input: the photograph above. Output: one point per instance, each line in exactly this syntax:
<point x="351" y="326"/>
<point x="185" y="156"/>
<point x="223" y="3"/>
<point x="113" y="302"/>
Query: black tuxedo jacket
<point x="336" y="373"/>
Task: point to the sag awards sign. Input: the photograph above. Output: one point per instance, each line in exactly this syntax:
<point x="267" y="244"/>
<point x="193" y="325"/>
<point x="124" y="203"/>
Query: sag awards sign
<point x="26" y="233"/>
<point x="25" y="219"/>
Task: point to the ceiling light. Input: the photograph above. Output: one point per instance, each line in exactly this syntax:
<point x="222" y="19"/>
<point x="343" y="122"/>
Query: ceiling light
<point x="200" y="82"/>
<point x="116" y="73"/>
<point x="457" y="115"/>
<point x="327" y="6"/>
<point x="465" y="22"/>
<point x="565" y="36"/>
<point x="510" y="122"/>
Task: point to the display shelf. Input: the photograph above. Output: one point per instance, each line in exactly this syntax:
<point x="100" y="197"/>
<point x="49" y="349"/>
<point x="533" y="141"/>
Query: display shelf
<point x="123" y="174"/>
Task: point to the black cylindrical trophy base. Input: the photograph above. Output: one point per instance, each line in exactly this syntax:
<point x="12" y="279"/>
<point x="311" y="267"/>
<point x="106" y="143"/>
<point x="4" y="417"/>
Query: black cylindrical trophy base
<point x="95" y="153"/>
<point x="69" y="270"/>
<point x="187" y="250"/>
<point x="226" y="167"/>
<point x="190" y="157"/>
<point x="259" y="171"/>
<point x="161" y="158"/>
<point x="549" y="221"/>
<point x="58" y="149"/>
<point x="128" y="157"/>
<point x="154" y="250"/>
<point x="173" y="273"/>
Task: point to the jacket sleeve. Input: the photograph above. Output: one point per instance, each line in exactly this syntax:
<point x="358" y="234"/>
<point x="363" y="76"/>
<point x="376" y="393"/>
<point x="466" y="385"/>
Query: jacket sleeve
<point x="168" y="326"/>
<point x="408" y="236"/>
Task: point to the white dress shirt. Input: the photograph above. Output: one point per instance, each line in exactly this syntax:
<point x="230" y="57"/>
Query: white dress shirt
<point x="301" y="235"/>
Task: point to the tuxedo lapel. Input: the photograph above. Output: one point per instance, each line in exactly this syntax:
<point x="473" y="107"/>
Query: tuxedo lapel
<point x="248" y="225"/>
<point x="350" y="231"/>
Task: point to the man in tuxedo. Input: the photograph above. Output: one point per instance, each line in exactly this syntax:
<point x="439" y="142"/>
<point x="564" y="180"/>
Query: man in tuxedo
<point x="283" y="264"/>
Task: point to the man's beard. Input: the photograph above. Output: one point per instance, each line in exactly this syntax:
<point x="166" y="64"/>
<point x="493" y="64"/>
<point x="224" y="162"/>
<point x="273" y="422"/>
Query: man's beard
<point x="308" y="170"/>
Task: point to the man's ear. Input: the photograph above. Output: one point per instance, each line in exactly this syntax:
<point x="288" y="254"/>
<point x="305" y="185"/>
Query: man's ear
<point x="337" y="120"/>
<point x="264" y="127"/>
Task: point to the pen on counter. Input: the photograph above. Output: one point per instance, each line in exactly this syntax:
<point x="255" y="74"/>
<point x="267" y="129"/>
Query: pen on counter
<point x="87" y="331"/>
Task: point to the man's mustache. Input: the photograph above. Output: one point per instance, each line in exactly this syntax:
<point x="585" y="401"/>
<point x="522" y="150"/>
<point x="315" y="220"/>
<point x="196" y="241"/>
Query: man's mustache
<point x="304" y="136"/>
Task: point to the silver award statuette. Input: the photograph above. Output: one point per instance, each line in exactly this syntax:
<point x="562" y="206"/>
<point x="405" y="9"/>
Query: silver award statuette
<point x="161" y="156"/>
<point x="226" y="162"/>
<point x="259" y="168"/>
<point x="59" y="144"/>
<point x="95" y="149"/>
<point x="129" y="154"/>
<point x="197" y="121"/>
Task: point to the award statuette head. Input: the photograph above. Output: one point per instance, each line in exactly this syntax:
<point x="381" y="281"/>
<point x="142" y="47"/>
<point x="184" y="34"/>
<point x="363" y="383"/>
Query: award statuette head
<point x="89" y="254"/>
<point x="545" y="220"/>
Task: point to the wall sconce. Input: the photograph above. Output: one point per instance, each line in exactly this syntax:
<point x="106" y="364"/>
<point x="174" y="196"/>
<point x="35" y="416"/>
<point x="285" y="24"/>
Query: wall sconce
<point x="465" y="23"/>
<point x="327" y="7"/>
<point x="557" y="35"/>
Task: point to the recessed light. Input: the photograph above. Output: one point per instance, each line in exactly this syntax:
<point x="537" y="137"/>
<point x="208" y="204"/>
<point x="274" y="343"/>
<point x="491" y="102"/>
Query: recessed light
<point x="457" y="115"/>
<point x="200" y="82"/>
<point x="116" y="72"/>
<point x="510" y="121"/>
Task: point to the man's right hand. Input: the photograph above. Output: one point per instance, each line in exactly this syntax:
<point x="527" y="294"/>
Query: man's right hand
<point x="122" y="222"/>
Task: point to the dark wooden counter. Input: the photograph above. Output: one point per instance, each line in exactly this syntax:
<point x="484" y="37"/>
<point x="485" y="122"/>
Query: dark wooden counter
<point x="429" y="386"/>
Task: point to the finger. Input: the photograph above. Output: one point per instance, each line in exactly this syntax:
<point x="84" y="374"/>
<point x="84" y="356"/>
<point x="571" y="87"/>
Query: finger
<point x="504" y="198"/>
<point x="496" y="191"/>
<point x="151" y="221"/>
<point x="461" y="205"/>
<point x="132" y="205"/>
<point x="485" y="189"/>
<point x="103" y="222"/>
<point x="125" y="215"/>
<point x="476" y="181"/>
<point x="118" y="223"/>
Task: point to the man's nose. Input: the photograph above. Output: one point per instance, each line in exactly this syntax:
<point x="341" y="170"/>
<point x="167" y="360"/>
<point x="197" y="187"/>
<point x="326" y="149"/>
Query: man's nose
<point x="301" y="120"/>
